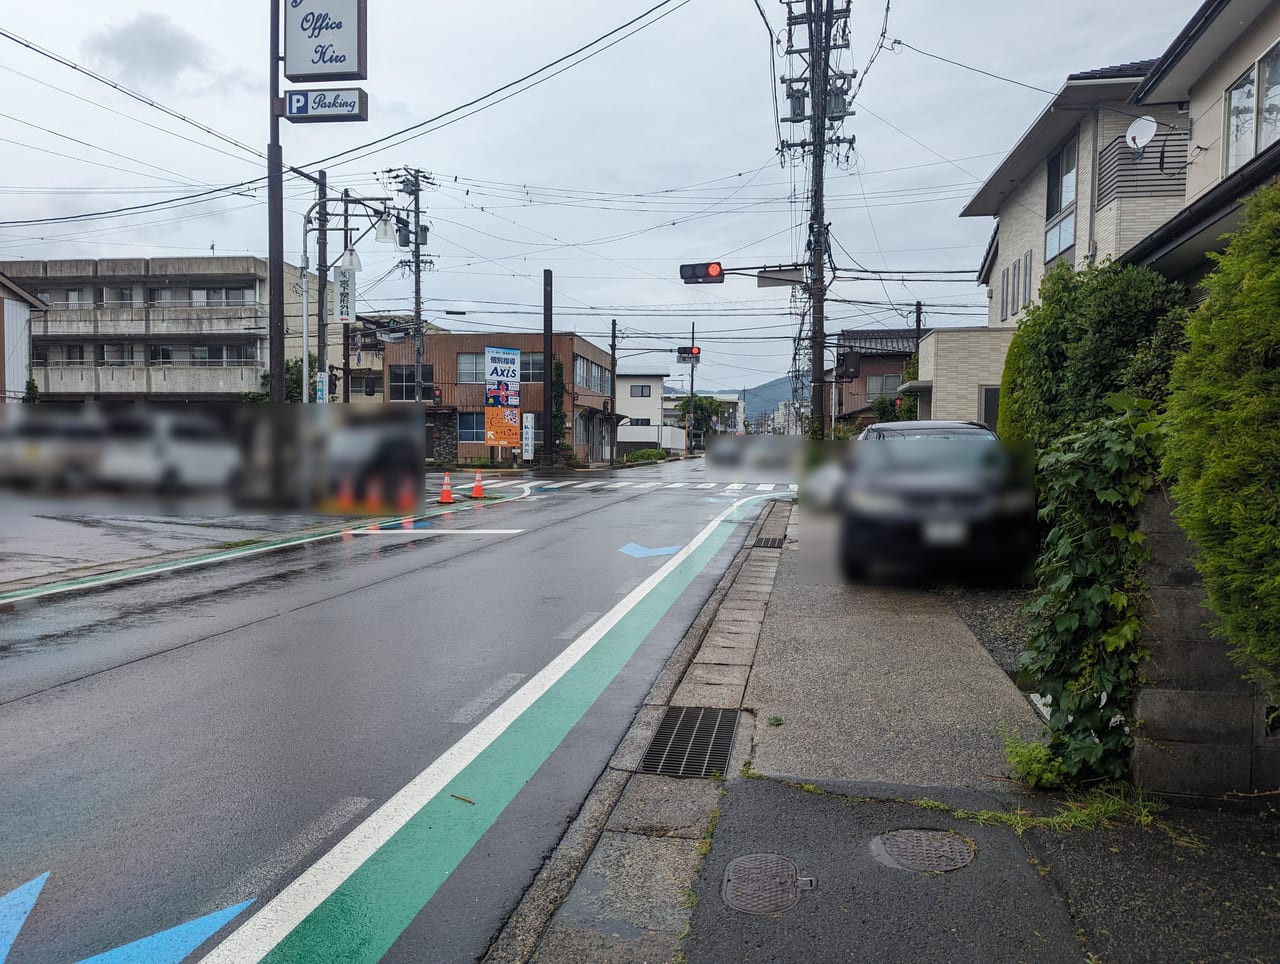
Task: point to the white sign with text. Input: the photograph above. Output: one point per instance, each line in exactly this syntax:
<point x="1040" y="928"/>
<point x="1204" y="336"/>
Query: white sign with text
<point x="344" y="295"/>
<point x="325" y="40"/>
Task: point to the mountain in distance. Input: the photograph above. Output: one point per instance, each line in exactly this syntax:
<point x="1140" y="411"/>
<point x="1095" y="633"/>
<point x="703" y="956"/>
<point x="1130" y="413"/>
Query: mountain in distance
<point x="764" y="399"/>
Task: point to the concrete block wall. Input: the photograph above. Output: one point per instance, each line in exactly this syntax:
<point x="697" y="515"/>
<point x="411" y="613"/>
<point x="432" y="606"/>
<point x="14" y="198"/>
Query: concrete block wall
<point x="1200" y="727"/>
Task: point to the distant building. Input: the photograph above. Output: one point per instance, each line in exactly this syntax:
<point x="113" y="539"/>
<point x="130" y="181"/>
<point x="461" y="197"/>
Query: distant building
<point x="640" y="406"/>
<point x="873" y="360"/>
<point x="454" y="363"/>
<point x="190" y="329"/>
<point x="16" y="310"/>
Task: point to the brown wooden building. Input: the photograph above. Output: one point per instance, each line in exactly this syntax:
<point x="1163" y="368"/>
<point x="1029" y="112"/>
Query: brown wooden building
<point x="454" y="363"/>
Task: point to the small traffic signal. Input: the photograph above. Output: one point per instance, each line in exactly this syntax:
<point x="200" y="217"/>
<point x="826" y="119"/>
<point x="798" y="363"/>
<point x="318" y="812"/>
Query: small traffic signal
<point x="689" y="350"/>
<point x="333" y="382"/>
<point x="436" y="394"/>
<point x="711" y="272"/>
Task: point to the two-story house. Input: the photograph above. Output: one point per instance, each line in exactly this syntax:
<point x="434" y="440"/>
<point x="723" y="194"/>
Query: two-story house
<point x="1223" y="73"/>
<point x="640" y="407"/>
<point x="870" y="366"/>
<point x="1072" y="189"/>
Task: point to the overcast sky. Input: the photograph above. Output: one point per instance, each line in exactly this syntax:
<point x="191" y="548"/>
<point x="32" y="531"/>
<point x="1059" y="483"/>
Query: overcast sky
<point x="657" y="150"/>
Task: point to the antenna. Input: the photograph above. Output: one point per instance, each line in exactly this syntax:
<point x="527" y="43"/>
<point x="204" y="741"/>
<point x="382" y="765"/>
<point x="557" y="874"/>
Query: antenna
<point x="1139" y="135"/>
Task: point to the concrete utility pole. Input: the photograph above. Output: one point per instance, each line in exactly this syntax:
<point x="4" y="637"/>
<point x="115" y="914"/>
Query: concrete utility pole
<point x="688" y="415"/>
<point x="549" y="442"/>
<point x="275" y="223"/>
<point x="412" y="181"/>
<point x="613" y="391"/>
<point x="828" y="106"/>
<point x="322" y="289"/>
<point x="346" y="335"/>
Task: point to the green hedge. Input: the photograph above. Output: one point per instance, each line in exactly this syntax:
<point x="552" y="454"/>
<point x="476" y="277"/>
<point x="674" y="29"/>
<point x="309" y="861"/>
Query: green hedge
<point x="1076" y="346"/>
<point x="1224" y="446"/>
<point x="645" y="455"/>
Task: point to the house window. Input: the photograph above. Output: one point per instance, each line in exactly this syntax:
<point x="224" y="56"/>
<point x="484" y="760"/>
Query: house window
<point x="1253" y="112"/>
<point x="470" y="367"/>
<point x="1026" y="279"/>
<point x="160" y="296"/>
<point x="1004" y="294"/>
<point x="531" y="367"/>
<point x="115" y="354"/>
<point x="641" y="391"/>
<point x="882" y="386"/>
<point x="471" y="426"/>
<point x="640" y="421"/>
<point x="1014" y="287"/>
<point x="400" y="380"/>
<point x="120" y="296"/>
<point x="1060" y="210"/>
<point x="581" y="371"/>
<point x="161" y="355"/>
<point x="73" y="354"/>
<point x="580" y="430"/>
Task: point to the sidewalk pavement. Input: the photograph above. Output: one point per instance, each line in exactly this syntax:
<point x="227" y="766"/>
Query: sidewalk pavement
<point x="867" y="743"/>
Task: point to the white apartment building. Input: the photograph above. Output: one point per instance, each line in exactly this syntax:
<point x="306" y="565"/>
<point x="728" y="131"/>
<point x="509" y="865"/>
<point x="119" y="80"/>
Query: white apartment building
<point x="641" y="408"/>
<point x="158" y="328"/>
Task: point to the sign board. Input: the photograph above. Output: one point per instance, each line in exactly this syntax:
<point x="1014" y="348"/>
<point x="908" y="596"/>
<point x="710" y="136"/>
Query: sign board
<point x="344" y="295"/>
<point x="322" y="387"/>
<point x="502" y="377"/>
<point x="502" y="427"/>
<point x="683" y="359"/>
<point x="780" y="278"/>
<point x="317" y="106"/>
<point x="530" y="421"/>
<point x="325" y="40"/>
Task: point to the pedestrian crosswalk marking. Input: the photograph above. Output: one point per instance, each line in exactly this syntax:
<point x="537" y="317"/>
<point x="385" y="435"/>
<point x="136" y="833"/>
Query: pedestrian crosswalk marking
<point x="735" y="486"/>
<point x="675" y="485"/>
<point x="766" y="487"/>
<point x="501" y="482"/>
<point x="647" y="485"/>
<point x="705" y="485"/>
<point x="617" y="485"/>
<point x="603" y="484"/>
<point x="590" y="485"/>
<point x="555" y="485"/>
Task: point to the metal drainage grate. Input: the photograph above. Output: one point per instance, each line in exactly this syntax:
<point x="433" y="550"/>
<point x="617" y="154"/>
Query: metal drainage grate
<point x="691" y="741"/>
<point x="762" y="884"/>
<point x="924" y="851"/>
<point x="769" y="542"/>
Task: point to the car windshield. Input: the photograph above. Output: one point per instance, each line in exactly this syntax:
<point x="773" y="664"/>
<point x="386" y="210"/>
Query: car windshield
<point x="929" y="452"/>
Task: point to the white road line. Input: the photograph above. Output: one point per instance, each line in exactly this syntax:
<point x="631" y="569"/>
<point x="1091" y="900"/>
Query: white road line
<point x="591" y="485"/>
<point x="556" y="485"/>
<point x="618" y="485"/>
<point x="273" y="921"/>
<point x="706" y="485"/>
<point x="647" y="485"/>
<point x="675" y="485"/>
<point x="579" y="627"/>
<point x="735" y="486"/>
<point x="436" y="532"/>
<point x="473" y="710"/>
<point x="264" y="874"/>
<point x="766" y="487"/>
<point x="793" y="487"/>
<point x="500" y="483"/>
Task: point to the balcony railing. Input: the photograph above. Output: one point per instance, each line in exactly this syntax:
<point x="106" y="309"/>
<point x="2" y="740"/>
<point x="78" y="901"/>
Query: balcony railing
<point x="156" y="319"/>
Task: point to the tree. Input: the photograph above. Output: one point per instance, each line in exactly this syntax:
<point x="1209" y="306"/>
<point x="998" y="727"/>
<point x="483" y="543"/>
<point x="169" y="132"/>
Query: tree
<point x="32" y="394"/>
<point x="704" y="410"/>
<point x="292" y="382"/>
<point x="1223" y="448"/>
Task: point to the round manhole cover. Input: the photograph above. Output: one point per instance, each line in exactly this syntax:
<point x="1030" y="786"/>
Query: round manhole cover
<point x="924" y="851"/>
<point x="762" y="884"/>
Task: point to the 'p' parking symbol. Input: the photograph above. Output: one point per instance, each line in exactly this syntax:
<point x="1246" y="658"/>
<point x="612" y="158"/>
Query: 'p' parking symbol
<point x="297" y="102"/>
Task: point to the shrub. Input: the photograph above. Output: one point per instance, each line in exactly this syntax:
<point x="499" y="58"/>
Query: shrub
<point x="1085" y="648"/>
<point x="645" y="455"/>
<point x="1224" y="448"/>
<point x="1076" y="345"/>
<point x="1033" y="762"/>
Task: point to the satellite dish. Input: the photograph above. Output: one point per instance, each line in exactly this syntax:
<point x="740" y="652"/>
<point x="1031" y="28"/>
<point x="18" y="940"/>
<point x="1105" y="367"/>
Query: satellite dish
<point x="1140" y="133"/>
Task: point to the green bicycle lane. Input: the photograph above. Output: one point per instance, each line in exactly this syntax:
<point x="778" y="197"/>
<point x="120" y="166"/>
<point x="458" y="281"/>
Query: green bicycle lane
<point x="356" y="900"/>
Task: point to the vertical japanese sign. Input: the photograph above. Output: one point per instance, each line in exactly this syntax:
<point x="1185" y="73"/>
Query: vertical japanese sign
<point x="530" y="425"/>
<point x="344" y="295"/>
<point x="502" y="397"/>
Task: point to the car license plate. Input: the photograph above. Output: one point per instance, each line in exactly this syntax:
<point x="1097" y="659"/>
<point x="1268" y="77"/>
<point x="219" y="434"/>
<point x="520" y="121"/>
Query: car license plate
<point x="945" y="532"/>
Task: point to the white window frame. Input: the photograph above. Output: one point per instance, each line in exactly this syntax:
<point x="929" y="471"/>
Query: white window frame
<point x="474" y="375"/>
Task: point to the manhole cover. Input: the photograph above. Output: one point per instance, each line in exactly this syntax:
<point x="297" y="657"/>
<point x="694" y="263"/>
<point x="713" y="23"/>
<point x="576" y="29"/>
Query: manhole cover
<point x="924" y="851"/>
<point x="762" y="884"/>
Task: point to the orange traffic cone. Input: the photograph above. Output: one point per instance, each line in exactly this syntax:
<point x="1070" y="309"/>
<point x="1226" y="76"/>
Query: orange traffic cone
<point x="406" y="500"/>
<point x="346" y="494"/>
<point x="477" y="490"/>
<point x="446" y="492"/>
<point x="373" y="494"/>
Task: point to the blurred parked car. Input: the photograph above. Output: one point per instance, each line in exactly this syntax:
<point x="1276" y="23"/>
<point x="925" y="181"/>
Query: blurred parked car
<point x="938" y="495"/>
<point x="60" y="451"/>
<point x="169" y="453"/>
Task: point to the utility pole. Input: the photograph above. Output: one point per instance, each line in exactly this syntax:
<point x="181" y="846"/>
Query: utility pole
<point x="275" y="223"/>
<point x="417" y="288"/>
<point x="613" y="390"/>
<point x="919" y="321"/>
<point x="346" y="335"/>
<point x="548" y="365"/>
<point x="322" y="267"/>
<point x="688" y="415"/>
<point x="828" y="106"/>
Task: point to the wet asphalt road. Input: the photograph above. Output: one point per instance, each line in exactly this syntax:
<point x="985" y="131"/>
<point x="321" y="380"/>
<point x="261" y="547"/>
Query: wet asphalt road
<point x="175" y="746"/>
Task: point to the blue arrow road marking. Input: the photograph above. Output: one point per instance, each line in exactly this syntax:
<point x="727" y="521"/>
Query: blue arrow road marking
<point x="14" y="908"/>
<point x="641" y="552"/>
<point x="171" y="946"/>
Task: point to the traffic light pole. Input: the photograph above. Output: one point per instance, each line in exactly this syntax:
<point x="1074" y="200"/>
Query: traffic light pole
<point x="688" y="415"/>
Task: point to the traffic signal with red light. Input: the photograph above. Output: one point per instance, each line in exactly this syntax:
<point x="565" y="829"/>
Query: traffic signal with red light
<point x="436" y="394"/>
<point x="708" y="273"/>
<point x="688" y="355"/>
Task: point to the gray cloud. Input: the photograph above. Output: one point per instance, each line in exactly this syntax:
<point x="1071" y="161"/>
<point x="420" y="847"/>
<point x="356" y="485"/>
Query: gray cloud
<point x="149" y="50"/>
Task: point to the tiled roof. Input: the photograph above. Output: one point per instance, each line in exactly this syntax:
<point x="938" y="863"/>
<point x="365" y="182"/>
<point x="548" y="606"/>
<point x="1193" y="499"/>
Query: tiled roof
<point x="1137" y="68"/>
<point x="881" y="341"/>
